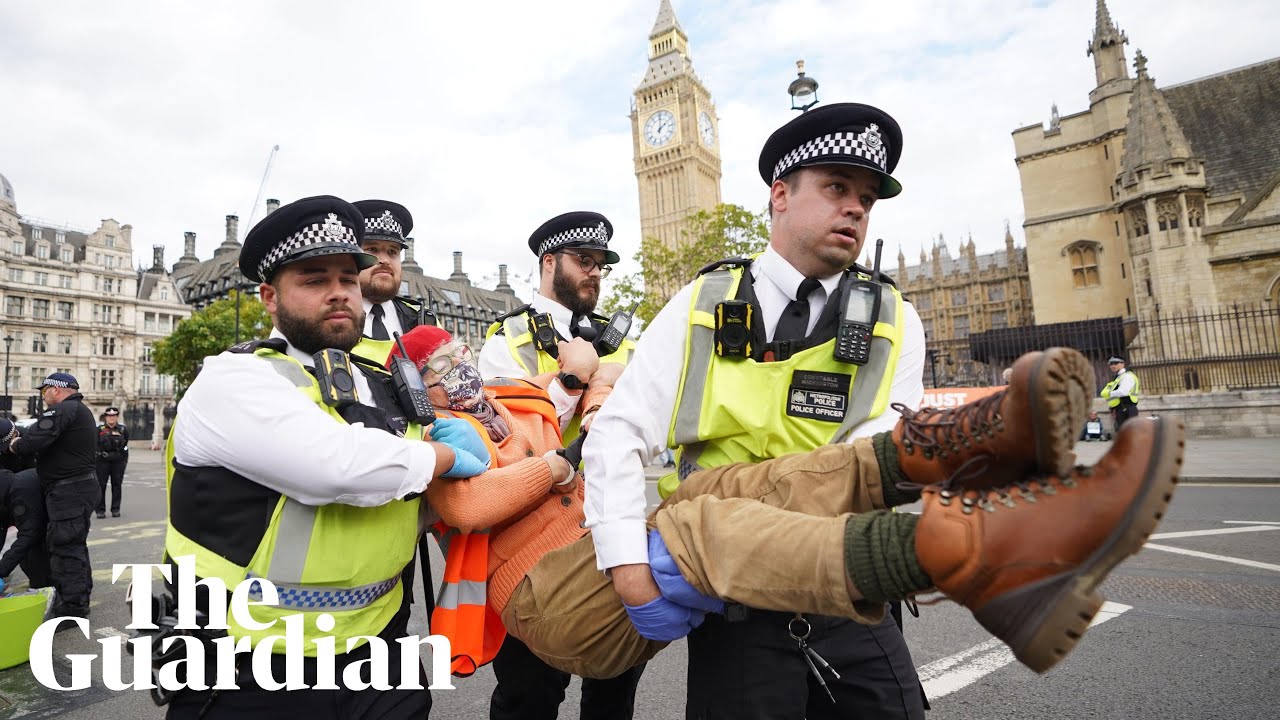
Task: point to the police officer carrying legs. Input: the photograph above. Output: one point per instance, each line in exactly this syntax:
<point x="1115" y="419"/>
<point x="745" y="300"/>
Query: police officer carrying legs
<point x="744" y="365"/>
<point x="64" y="440"/>
<point x="113" y="455"/>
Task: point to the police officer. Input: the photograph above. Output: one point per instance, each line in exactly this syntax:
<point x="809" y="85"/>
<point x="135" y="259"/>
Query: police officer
<point x="22" y="507"/>
<point x="771" y="386"/>
<point x="64" y="440"/>
<point x="386" y="224"/>
<point x="1121" y="393"/>
<point x="270" y="476"/>
<point x="573" y="257"/>
<point x="113" y="455"/>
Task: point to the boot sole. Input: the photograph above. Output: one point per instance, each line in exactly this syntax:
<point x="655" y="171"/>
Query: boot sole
<point x="1062" y="388"/>
<point x="1059" y="609"/>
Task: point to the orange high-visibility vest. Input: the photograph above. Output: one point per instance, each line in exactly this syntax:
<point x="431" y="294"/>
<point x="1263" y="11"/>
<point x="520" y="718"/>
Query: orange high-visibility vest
<point x="462" y="614"/>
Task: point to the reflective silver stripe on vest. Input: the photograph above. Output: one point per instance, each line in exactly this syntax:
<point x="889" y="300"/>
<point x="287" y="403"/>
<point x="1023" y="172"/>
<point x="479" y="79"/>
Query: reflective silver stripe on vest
<point x="290" y="369"/>
<point x="527" y="353"/>
<point x="317" y="597"/>
<point x="293" y="540"/>
<point x="862" y="396"/>
<point x="463" y="592"/>
<point x="715" y="287"/>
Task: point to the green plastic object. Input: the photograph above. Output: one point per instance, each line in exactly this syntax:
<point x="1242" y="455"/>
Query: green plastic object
<point x="20" y="615"/>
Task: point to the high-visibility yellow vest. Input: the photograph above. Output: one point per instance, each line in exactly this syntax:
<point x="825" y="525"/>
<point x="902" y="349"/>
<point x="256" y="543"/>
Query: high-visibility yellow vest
<point x="741" y="410"/>
<point x="337" y="559"/>
<point x="1115" y="383"/>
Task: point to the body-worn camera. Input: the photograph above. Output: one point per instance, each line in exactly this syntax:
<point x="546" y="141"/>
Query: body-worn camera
<point x="734" y="327"/>
<point x="544" y="334"/>
<point x="333" y="371"/>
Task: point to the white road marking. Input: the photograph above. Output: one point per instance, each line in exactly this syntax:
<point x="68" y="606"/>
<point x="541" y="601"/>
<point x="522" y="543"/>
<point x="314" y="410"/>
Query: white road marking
<point x="109" y="632"/>
<point x="1211" y="556"/>
<point x="1251" y="522"/>
<point x="943" y="677"/>
<point x="1218" y="531"/>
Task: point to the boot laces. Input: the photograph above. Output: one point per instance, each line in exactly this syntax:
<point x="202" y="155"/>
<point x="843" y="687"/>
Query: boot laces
<point x="1007" y="495"/>
<point x="945" y="430"/>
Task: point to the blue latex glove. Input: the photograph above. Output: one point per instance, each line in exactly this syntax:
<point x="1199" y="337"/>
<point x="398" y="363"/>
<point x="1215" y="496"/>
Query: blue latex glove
<point x="1" y="585"/>
<point x="459" y="435"/>
<point x="465" y="465"/>
<point x="672" y="584"/>
<point x="662" y="620"/>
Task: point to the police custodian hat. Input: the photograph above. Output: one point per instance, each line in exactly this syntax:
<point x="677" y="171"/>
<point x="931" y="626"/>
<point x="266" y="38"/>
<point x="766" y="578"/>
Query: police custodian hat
<point x="385" y="220"/>
<point x="579" y="229"/>
<point x="839" y="134"/>
<point x="310" y="227"/>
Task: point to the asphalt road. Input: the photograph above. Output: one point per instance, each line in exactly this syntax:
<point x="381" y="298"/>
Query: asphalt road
<point x="1187" y="636"/>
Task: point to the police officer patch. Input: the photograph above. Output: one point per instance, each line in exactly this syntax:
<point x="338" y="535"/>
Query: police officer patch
<point x="818" y="395"/>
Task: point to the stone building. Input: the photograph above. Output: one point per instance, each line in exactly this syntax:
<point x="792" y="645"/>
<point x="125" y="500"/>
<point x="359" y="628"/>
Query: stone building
<point x="962" y="298"/>
<point x="675" y="135"/>
<point x="1153" y="217"/>
<point x="73" y="302"/>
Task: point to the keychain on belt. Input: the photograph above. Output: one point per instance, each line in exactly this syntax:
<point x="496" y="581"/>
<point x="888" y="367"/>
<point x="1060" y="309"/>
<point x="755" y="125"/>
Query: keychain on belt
<point x="798" y="628"/>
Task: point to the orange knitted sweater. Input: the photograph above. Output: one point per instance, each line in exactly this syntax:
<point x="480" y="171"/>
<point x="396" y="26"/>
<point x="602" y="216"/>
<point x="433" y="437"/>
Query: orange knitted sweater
<point x="513" y="498"/>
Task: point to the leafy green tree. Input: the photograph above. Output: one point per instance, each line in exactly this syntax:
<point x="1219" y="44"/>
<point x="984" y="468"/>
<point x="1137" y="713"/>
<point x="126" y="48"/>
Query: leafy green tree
<point x="209" y="332"/>
<point x="725" y="231"/>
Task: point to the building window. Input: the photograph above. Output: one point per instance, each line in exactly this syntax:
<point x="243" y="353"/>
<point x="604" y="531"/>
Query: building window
<point x="15" y="274"/>
<point x="37" y="233"/>
<point x="144" y="382"/>
<point x="64" y="281"/>
<point x="999" y="319"/>
<point x="1127" y="309"/>
<point x="995" y="293"/>
<point x="164" y="292"/>
<point x="12" y="375"/>
<point x="149" y="322"/>
<point x="40" y="309"/>
<point x="960" y="324"/>
<point x="39" y="342"/>
<point x="146" y="352"/>
<point x="38" y="374"/>
<point x="106" y="380"/>
<point x="959" y="297"/>
<point x="111" y="241"/>
<point x="64" y="344"/>
<point x="1138" y="222"/>
<point x="16" y="247"/>
<point x="42" y="252"/>
<point x="1083" y="257"/>
<point x="1122" y="275"/>
<point x="108" y="346"/>
<point x="13" y="306"/>
<point x="59" y="237"/>
<point x="65" y="254"/>
<point x="42" y="278"/>
<point x="66" y="310"/>
<point x="1167" y="215"/>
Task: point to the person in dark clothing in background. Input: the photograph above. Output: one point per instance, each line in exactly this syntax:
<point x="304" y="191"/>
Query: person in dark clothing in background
<point x="113" y="455"/>
<point x="22" y="506"/>
<point x="64" y="440"/>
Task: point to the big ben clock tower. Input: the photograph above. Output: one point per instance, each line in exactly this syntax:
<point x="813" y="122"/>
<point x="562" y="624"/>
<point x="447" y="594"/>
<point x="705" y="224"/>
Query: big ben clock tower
<point x="675" y="134"/>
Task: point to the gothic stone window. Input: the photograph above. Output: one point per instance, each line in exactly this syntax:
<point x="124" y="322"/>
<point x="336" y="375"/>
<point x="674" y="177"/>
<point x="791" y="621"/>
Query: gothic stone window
<point x="1138" y="222"/>
<point x="1167" y="215"/>
<point x="1082" y="255"/>
<point x="1195" y="212"/>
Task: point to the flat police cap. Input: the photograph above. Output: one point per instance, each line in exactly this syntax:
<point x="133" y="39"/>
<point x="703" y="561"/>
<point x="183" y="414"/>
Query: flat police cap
<point x="839" y="134"/>
<point x="1115" y="359"/>
<point x="579" y="229"/>
<point x="385" y="220"/>
<point x="306" y="228"/>
<point x="111" y="411"/>
<point x="59" y="380"/>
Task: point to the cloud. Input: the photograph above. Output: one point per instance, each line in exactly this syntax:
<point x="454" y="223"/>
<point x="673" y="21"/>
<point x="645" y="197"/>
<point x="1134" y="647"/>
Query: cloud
<point x="486" y="119"/>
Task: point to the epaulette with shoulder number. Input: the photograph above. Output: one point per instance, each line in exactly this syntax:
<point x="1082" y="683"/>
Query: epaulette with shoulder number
<point x="249" y="346"/>
<point x="729" y="262"/>
<point x="510" y="314"/>
<point x="884" y="276"/>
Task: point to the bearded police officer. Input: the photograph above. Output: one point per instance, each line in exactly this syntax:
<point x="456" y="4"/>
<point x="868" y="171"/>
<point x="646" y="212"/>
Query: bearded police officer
<point x="305" y="471"/>
<point x="63" y="441"/>
<point x="113" y="456"/>
<point x="744" y="365"/>
<point x="386" y="225"/>
<point x="573" y="257"/>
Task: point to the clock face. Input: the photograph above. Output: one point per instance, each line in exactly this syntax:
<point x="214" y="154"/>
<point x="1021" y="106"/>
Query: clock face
<point x="659" y="128"/>
<point x="706" y="130"/>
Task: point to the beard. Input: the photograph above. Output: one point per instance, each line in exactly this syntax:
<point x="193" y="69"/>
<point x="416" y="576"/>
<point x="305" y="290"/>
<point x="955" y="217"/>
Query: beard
<point x="312" y="336"/>
<point x="579" y="297"/>
<point x="379" y="288"/>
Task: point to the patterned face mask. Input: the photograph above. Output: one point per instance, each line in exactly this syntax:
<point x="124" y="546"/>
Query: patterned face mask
<point x="464" y="386"/>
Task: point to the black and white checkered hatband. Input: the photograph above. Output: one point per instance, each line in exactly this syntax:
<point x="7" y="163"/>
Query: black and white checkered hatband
<point x="383" y="225"/>
<point x="864" y="148"/>
<point x="331" y="232"/>
<point x="595" y="235"/>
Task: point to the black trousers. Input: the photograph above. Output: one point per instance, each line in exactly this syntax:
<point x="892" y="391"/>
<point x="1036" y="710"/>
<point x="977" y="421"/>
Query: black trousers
<point x="529" y="689"/>
<point x="69" y="505"/>
<point x="752" y="670"/>
<point x="110" y="470"/>
<point x="1122" y="412"/>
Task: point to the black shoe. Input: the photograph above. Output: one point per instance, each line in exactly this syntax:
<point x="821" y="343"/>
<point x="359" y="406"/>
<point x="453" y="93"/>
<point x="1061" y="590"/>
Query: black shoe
<point x="115" y="513"/>
<point x="101" y="515"/>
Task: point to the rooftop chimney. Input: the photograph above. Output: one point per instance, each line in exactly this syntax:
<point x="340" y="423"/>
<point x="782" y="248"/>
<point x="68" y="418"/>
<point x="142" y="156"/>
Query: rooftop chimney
<point x="409" y="263"/>
<point x="188" y="252"/>
<point x="232" y="243"/>
<point x="272" y="205"/>
<point x="126" y="234"/>
<point x="157" y="259"/>
<point x="503" y="286"/>
<point x="459" y="276"/>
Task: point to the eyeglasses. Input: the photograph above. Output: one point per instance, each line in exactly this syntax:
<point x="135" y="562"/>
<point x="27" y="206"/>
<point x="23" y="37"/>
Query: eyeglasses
<point x="588" y="263"/>
<point x="442" y="364"/>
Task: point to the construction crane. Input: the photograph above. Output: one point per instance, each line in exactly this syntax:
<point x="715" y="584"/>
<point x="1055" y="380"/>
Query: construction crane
<point x="257" y="201"/>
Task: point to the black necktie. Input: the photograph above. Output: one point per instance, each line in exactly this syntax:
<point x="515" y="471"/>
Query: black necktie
<point x="379" y="330"/>
<point x="575" y="321"/>
<point x="794" y="323"/>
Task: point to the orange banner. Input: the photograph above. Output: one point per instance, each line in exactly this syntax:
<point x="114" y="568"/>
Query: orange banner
<point x="955" y="397"/>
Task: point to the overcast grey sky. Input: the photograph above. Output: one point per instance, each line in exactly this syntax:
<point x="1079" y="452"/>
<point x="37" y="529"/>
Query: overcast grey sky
<point x="487" y="118"/>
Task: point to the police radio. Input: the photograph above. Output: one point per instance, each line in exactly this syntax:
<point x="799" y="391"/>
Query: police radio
<point x="615" y="332"/>
<point x="411" y="392"/>
<point x="858" y="317"/>
<point x="735" y="326"/>
<point x="337" y="383"/>
<point x="544" y="334"/>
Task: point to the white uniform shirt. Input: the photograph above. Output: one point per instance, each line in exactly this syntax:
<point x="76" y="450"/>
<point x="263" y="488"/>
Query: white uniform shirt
<point x="1125" y="383"/>
<point x="496" y="360"/>
<point x="632" y="426"/>
<point x="242" y="415"/>
<point x="390" y="319"/>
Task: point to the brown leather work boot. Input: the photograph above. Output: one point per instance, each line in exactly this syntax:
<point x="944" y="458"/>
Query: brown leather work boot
<point x="1029" y="426"/>
<point x="1027" y="559"/>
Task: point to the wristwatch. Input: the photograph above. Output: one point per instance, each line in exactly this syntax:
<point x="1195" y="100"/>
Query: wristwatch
<point x="571" y="381"/>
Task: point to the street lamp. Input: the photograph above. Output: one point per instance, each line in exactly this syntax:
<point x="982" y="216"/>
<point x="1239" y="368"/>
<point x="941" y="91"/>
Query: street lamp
<point x="241" y="282"/>
<point x="934" y="356"/>
<point x="8" y="342"/>
<point x="801" y="89"/>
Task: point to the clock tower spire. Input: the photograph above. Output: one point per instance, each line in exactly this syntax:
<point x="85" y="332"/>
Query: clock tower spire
<point x="675" y="134"/>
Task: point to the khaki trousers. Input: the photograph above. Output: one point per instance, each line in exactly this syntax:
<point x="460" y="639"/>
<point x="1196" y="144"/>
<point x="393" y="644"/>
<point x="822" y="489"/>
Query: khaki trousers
<point x="768" y="535"/>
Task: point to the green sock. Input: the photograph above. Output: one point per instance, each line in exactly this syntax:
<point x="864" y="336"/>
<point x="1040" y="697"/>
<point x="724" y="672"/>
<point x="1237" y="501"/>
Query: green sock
<point x="891" y="472"/>
<point x="880" y="555"/>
